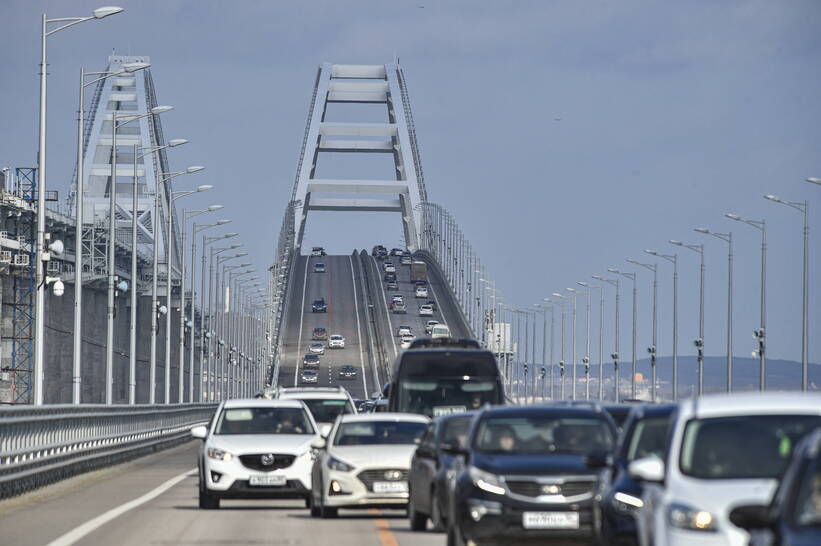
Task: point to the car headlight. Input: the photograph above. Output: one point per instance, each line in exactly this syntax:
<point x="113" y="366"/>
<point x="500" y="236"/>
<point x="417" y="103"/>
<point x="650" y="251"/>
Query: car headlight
<point x="338" y="465"/>
<point x="219" y="454"/>
<point x="686" y="517"/>
<point x="626" y="503"/>
<point x="486" y="481"/>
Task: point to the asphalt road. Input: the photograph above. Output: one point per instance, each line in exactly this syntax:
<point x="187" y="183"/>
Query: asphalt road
<point x="153" y="501"/>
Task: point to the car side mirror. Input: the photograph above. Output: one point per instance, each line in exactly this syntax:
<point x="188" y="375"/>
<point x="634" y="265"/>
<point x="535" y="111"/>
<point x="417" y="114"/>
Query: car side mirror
<point x="324" y="430"/>
<point x="199" y="432"/>
<point x="319" y="443"/>
<point x="454" y="449"/>
<point x="647" y="469"/>
<point x="598" y="459"/>
<point x="752" y="516"/>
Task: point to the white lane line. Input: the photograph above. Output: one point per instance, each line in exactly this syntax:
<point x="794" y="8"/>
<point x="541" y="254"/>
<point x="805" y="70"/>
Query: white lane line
<point x="93" y="524"/>
<point x="358" y="330"/>
<point x="301" y="322"/>
<point x="388" y="311"/>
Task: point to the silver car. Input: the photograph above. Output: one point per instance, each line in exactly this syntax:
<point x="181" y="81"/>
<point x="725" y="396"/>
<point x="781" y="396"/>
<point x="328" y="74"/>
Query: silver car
<point x="316" y="348"/>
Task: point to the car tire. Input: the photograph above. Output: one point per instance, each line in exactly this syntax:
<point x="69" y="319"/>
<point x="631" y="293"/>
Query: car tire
<point x="455" y="536"/>
<point x="418" y="521"/>
<point x="326" y="512"/>
<point x="207" y="501"/>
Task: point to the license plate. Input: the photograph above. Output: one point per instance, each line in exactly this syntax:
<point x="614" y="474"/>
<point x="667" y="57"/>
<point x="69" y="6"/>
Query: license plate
<point x="550" y="520"/>
<point x="390" y="487"/>
<point x="273" y="479"/>
<point x="447" y="410"/>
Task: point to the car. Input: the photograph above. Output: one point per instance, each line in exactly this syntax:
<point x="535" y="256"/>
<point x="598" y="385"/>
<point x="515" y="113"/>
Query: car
<point x="406" y="340"/>
<point x="377" y="250"/>
<point x="310" y="361"/>
<point x="347" y="372"/>
<point x="432" y="304"/>
<point x="425" y="310"/>
<point x="386" y="264"/>
<point x="255" y="448"/>
<point x="317" y="251"/>
<point x="319" y="334"/>
<point x="399" y="307"/>
<point x="380" y="406"/>
<point x="397" y="297"/>
<point x="430" y="470"/>
<point x="364" y="462"/>
<point x="440" y="331"/>
<point x="429" y="326"/>
<point x="645" y="433"/>
<point x="316" y="348"/>
<point x="530" y="474"/>
<point x="724" y="450"/>
<point x="403" y="330"/>
<point x="319" y="268"/>
<point x="793" y="517"/>
<point x="390" y="268"/>
<point x="421" y="292"/>
<point x="397" y="252"/>
<point x="336" y="341"/>
<point x="319" y="306"/>
<point x="406" y="260"/>
<point x="392" y="285"/>
<point x="390" y="277"/>
<point x="309" y="376"/>
<point x="324" y="403"/>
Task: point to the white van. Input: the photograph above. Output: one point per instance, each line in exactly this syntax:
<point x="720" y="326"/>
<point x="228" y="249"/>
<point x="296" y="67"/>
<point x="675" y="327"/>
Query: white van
<point x="439" y="330"/>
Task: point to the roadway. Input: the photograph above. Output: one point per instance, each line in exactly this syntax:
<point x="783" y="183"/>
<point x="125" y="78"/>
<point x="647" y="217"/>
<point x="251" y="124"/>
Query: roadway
<point x="153" y="501"/>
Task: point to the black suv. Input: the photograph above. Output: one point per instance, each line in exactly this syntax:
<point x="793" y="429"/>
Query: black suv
<point x="531" y="473"/>
<point x="310" y="362"/>
<point x="347" y="372"/>
<point x="319" y="306"/>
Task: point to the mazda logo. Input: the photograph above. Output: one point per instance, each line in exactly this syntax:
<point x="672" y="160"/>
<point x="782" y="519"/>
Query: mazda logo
<point x="267" y="459"/>
<point x="551" y="489"/>
<point x="393" y="474"/>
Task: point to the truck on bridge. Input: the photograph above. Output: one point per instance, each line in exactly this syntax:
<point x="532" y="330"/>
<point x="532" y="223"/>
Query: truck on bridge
<point x="419" y="271"/>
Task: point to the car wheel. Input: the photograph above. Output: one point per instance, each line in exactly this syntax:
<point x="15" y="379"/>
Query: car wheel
<point x="207" y="500"/>
<point x="326" y="512"/>
<point x="455" y="536"/>
<point x="418" y="521"/>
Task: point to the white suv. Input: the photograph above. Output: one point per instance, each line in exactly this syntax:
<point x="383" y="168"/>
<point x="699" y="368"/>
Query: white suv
<point x="725" y="451"/>
<point x="365" y="461"/>
<point x="336" y="341"/>
<point x="324" y="403"/>
<point x="256" y="448"/>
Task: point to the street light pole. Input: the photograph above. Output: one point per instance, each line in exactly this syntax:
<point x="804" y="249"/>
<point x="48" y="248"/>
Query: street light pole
<point x="652" y="349"/>
<point x="601" y="323"/>
<point x="615" y="354"/>
<point x="632" y="277"/>
<point x="573" y="341"/>
<point x="673" y="259"/>
<point x="699" y="343"/>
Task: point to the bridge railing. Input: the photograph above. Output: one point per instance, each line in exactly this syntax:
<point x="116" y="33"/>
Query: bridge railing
<point x="41" y="445"/>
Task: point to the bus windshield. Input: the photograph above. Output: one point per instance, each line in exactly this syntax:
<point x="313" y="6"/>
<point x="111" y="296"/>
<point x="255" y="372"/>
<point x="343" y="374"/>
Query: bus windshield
<point x="435" y="383"/>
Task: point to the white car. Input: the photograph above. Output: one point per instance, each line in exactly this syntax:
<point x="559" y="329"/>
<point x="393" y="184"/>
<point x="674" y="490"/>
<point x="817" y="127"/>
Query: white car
<point x="406" y="340"/>
<point x="421" y="292"/>
<point x="390" y="268"/>
<point x="725" y="451"/>
<point x="324" y="403"/>
<point x="336" y="341"/>
<point x="439" y="331"/>
<point x="403" y="331"/>
<point x="386" y="264"/>
<point x="397" y="298"/>
<point x="316" y="348"/>
<point x="426" y="310"/>
<point x="364" y="462"/>
<point x="429" y="326"/>
<point x="256" y="448"/>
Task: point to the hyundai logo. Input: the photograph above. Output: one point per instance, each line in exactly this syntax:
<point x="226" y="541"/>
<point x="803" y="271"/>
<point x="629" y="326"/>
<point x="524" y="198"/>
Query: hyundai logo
<point x="267" y="459"/>
<point x="551" y="489"/>
<point x="393" y="474"/>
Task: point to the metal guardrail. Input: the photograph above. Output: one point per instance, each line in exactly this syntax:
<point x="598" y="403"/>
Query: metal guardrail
<point x="42" y="445"/>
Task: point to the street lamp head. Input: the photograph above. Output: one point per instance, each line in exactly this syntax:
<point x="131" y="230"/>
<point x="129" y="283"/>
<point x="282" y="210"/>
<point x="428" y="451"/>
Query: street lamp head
<point x="733" y="216"/>
<point x="174" y="142"/>
<point x="556" y="294"/>
<point x="240" y="255"/>
<point x="570" y="289"/>
<point x="204" y="187"/>
<point x="582" y="283"/>
<point x="232" y="247"/>
<point x="194" y="169"/>
<point x="229" y="235"/>
<point x="633" y="261"/>
<point x="134" y="67"/>
<point x="677" y="243"/>
<point x="244" y="265"/>
<point x="651" y="252"/>
<point x="547" y="300"/>
<point x="212" y="208"/>
<point x="598" y="277"/>
<point x="161" y="109"/>
<point x="813" y="180"/>
<point x="771" y="197"/>
<point x="702" y="230"/>
<point x="222" y="223"/>
<point x="612" y="270"/>
<point x="105" y="11"/>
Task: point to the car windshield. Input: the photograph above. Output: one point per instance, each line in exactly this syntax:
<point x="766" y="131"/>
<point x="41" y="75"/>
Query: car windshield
<point x="649" y="438"/>
<point x="311" y="358"/>
<point x="808" y="502"/>
<point x="325" y="410"/>
<point x="263" y="420"/>
<point x="363" y="433"/>
<point x="747" y="446"/>
<point x="544" y="433"/>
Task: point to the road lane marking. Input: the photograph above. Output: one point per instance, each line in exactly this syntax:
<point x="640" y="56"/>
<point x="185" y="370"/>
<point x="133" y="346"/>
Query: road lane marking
<point x="93" y="524"/>
<point x="383" y="530"/>
<point x="301" y="322"/>
<point x="358" y="331"/>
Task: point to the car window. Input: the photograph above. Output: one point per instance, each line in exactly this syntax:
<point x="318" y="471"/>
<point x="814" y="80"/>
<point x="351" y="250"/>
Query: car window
<point x="808" y="505"/>
<point x="538" y="434"/>
<point x="325" y="410"/>
<point x="649" y="438"/>
<point x="263" y="420"/>
<point x="378" y="433"/>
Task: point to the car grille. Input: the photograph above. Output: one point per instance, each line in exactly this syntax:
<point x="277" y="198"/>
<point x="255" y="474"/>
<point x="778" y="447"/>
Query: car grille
<point x="536" y="489"/>
<point x="382" y="475"/>
<point x="254" y="462"/>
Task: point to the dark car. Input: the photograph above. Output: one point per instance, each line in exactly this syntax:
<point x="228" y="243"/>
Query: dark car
<point x="310" y="361"/>
<point x="432" y="303"/>
<point x="430" y="470"/>
<point x="645" y="434"/>
<point x="319" y="306"/>
<point x="793" y="517"/>
<point x="347" y="372"/>
<point x="390" y="277"/>
<point x="319" y="334"/>
<point x="531" y="474"/>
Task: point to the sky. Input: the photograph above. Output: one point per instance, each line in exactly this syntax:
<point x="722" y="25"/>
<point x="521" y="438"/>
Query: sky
<point x="564" y="136"/>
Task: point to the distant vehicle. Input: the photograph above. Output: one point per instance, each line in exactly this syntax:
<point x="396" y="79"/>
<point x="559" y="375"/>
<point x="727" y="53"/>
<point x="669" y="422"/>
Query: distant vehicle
<point x="421" y="292"/>
<point x="397" y="297"/>
<point x="336" y="341"/>
<point x="406" y="260"/>
<point x="309" y="376"/>
<point x="310" y="361"/>
<point x="403" y="330"/>
<point x="432" y="304"/>
<point x="425" y="310"/>
<point x="319" y="306"/>
<point x="347" y="372"/>
<point x="390" y="276"/>
<point x="319" y="268"/>
<point x="440" y="331"/>
<point x="231" y="463"/>
<point x="429" y="325"/>
<point x="392" y="285"/>
<point x="377" y="250"/>
<point x="419" y="271"/>
<point x="316" y="348"/>
<point x="406" y="340"/>
<point x="386" y="264"/>
<point x="399" y="307"/>
<point x="390" y="268"/>
<point x="324" y="403"/>
<point x="319" y="334"/>
<point x="317" y="251"/>
<point x="397" y="252"/>
<point x="379" y="406"/>
<point x="440" y="376"/>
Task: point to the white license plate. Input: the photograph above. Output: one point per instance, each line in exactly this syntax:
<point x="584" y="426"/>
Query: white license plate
<point x="550" y="520"/>
<point x="390" y="487"/>
<point x="447" y="410"/>
<point x="273" y="479"/>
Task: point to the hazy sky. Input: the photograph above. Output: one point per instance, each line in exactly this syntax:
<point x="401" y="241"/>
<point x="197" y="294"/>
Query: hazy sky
<point x="564" y="136"/>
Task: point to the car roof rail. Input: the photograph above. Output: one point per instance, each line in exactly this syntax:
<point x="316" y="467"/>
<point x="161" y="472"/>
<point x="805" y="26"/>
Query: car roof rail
<point x="445" y="342"/>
